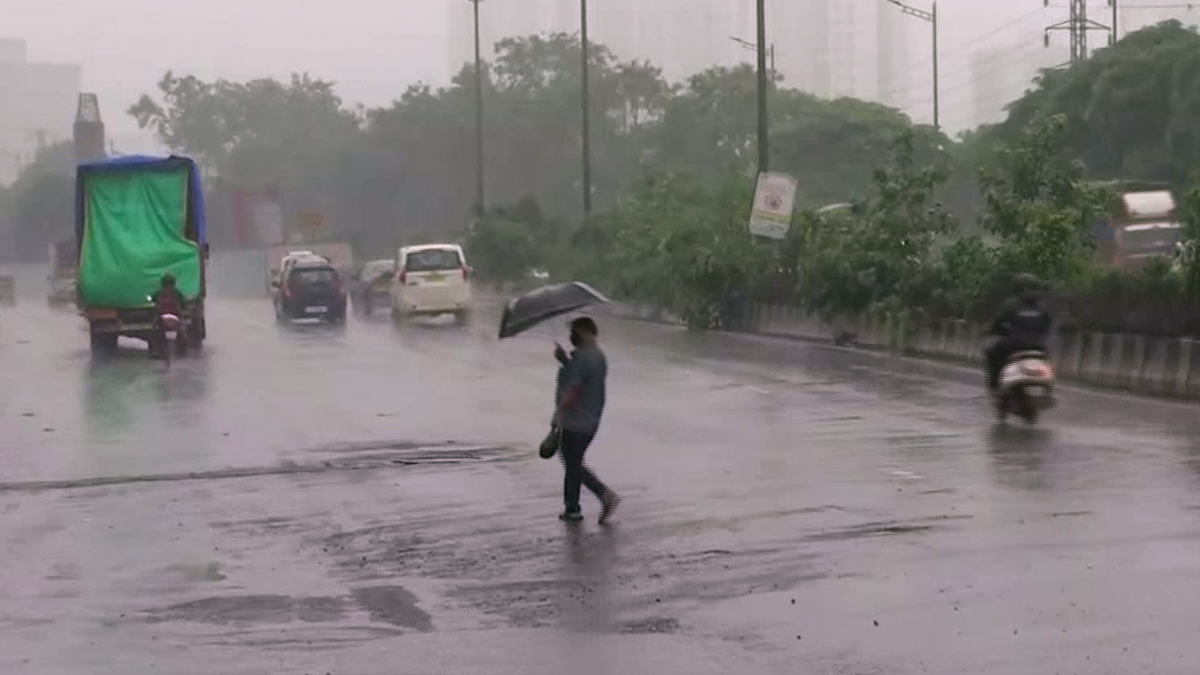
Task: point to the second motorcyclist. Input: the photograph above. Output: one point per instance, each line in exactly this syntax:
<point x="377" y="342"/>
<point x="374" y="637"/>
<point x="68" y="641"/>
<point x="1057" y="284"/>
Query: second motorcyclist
<point x="1022" y="324"/>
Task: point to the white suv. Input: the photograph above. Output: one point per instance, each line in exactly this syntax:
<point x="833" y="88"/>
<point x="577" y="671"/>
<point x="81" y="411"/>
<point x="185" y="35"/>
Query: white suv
<point x="431" y="280"/>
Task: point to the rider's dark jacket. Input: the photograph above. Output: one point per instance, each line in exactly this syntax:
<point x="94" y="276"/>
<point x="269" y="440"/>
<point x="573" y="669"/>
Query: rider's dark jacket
<point x="1023" y="322"/>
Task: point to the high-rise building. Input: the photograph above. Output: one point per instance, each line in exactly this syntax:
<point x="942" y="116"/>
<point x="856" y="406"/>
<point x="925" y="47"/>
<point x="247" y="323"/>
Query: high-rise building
<point x="833" y="48"/>
<point x="680" y="36"/>
<point x="37" y="105"/>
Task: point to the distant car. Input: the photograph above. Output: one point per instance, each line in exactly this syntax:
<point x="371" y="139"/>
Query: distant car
<point x="310" y="288"/>
<point x="371" y="287"/>
<point x="290" y="259"/>
<point x="431" y="280"/>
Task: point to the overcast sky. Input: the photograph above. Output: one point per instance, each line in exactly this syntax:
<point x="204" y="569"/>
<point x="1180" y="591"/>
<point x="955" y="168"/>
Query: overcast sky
<point x="372" y="48"/>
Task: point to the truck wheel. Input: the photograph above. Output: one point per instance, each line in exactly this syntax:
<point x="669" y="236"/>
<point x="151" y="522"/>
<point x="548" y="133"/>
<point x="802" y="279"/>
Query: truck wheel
<point x="195" y="337"/>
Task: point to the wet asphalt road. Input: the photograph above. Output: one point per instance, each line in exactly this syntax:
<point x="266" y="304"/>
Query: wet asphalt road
<point x="370" y="501"/>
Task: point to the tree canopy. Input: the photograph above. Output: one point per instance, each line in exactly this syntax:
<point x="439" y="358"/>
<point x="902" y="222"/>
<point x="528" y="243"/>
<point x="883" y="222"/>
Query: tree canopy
<point x="1130" y="111"/>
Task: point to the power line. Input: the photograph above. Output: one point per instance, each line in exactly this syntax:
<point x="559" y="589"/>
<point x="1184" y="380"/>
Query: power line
<point x="973" y="43"/>
<point x="971" y="67"/>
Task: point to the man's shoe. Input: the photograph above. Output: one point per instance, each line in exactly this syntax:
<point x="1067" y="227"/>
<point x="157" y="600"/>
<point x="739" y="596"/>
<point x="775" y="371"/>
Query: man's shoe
<point x="609" y="504"/>
<point x="571" y="516"/>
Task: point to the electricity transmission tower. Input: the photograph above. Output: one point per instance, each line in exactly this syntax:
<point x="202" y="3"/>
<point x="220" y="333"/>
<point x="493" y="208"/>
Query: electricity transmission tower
<point x="1078" y="25"/>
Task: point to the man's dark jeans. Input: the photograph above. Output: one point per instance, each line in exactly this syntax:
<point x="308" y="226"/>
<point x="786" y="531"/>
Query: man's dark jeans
<point x="572" y="449"/>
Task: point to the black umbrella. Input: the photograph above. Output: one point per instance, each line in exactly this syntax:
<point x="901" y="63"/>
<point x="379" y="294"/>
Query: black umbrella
<point x="526" y="311"/>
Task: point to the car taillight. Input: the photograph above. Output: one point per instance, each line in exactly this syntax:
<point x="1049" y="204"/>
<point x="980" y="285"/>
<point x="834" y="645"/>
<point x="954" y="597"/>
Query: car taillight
<point x="466" y="273"/>
<point x="402" y="277"/>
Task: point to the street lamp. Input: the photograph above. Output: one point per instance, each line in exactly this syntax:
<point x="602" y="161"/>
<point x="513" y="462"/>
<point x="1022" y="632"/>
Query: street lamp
<point x="754" y="48"/>
<point x="479" y="195"/>
<point x="587" y="143"/>
<point x="761" y="46"/>
<point x="931" y="17"/>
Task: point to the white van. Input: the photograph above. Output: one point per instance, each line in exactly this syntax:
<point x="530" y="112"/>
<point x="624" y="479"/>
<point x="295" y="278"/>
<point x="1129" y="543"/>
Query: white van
<point x="431" y="280"/>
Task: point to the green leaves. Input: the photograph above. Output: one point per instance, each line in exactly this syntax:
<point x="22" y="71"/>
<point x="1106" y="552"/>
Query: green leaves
<point x="882" y="248"/>
<point x="1037" y="203"/>
<point x="675" y="242"/>
<point x="1130" y="111"/>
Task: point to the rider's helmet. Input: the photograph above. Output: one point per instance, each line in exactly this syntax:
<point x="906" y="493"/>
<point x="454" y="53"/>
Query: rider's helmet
<point x="168" y="280"/>
<point x="1026" y="285"/>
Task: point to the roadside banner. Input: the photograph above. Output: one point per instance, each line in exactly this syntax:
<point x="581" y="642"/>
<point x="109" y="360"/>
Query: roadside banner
<point x="774" y="199"/>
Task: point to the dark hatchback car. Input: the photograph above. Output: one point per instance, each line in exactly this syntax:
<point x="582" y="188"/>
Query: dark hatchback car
<point x="311" y="289"/>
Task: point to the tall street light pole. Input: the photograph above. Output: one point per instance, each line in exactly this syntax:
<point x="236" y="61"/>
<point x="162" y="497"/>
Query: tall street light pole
<point x="932" y="18"/>
<point x="1113" y="35"/>
<point x="587" y="142"/>
<point x="479" y="194"/>
<point x="764" y="160"/>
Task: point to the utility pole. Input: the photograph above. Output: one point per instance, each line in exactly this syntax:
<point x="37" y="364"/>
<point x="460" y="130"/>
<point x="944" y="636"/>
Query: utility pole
<point x="1078" y="25"/>
<point x="1113" y="36"/>
<point x="764" y="160"/>
<point x="932" y="17"/>
<point x="480" y="205"/>
<point x="587" y="143"/>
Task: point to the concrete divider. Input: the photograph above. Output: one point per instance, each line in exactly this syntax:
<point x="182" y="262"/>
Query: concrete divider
<point x="1162" y="366"/>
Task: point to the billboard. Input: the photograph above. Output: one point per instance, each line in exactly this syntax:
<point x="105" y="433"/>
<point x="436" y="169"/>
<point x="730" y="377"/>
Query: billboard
<point x="257" y="218"/>
<point x="774" y="199"/>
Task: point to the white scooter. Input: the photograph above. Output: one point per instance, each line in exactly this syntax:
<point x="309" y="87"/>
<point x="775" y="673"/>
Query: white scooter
<point x="1026" y="386"/>
<point x="171" y="326"/>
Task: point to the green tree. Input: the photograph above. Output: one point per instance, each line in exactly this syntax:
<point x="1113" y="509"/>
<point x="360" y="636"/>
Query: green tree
<point x="1130" y="110"/>
<point x="834" y="147"/>
<point x="1037" y="202"/>
<point x="508" y="242"/>
<point x="1189" y="252"/>
<point x="880" y="250"/>
<point x="38" y="207"/>
<point x="675" y="242"/>
<point x="242" y="130"/>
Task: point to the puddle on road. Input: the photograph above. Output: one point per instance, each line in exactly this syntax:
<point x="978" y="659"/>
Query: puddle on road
<point x="364" y="457"/>
<point x="383" y="604"/>
<point x="394" y="605"/>
<point x="651" y="626"/>
<point x="253" y="609"/>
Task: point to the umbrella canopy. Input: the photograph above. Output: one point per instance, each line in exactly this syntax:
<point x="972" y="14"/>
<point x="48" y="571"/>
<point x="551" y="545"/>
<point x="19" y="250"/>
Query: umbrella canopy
<point x="526" y="311"/>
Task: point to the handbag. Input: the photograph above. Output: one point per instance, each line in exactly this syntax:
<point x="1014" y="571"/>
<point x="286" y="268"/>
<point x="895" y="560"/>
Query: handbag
<point x="550" y="443"/>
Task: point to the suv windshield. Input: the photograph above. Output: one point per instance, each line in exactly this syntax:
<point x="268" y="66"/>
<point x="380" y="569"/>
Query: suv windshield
<point x="313" y="275"/>
<point x="433" y="260"/>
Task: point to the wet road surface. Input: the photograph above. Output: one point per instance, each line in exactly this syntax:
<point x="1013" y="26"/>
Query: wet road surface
<point x="369" y="500"/>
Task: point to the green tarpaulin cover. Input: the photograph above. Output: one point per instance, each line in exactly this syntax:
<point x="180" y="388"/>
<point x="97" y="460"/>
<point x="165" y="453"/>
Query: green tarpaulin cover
<point x="133" y="235"/>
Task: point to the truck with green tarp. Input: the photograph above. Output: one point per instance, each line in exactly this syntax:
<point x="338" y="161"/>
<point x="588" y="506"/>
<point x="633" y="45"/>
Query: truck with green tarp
<point x="138" y="218"/>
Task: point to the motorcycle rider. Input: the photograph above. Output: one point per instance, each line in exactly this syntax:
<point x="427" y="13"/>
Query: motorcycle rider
<point x="1022" y="324"/>
<point x="167" y="300"/>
